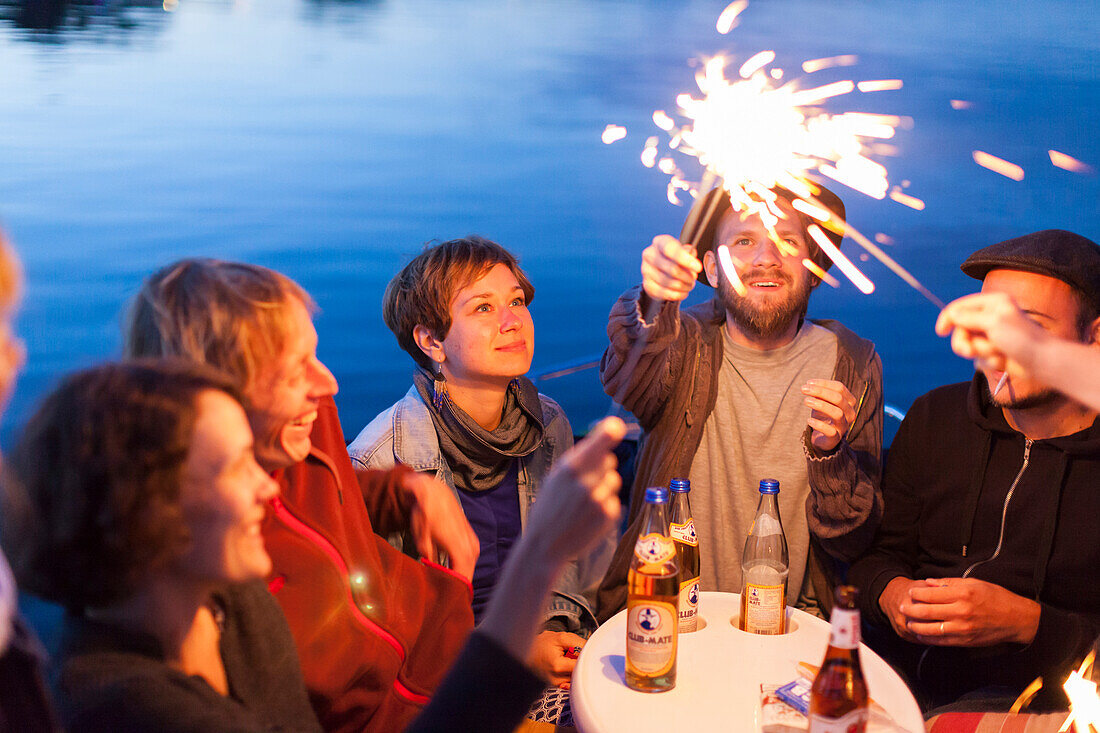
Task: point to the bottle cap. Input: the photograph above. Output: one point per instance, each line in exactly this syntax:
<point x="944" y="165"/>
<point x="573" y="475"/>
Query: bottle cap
<point x="656" y="495"/>
<point x="769" y="486"/>
<point x="679" y="485"/>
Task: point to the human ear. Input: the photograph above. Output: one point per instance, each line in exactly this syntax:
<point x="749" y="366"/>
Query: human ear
<point x="428" y="343"/>
<point x="710" y="266"/>
<point x="1092" y="333"/>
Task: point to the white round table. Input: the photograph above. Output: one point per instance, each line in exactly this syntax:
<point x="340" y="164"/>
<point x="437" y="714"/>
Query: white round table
<point x="719" y="670"/>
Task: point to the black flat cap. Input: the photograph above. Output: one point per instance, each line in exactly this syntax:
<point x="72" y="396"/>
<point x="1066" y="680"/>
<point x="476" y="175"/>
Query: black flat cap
<point x="1056" y="253"/>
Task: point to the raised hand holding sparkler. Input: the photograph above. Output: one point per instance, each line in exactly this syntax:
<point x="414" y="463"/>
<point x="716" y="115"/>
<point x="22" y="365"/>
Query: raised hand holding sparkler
<point x="669" y="269"/>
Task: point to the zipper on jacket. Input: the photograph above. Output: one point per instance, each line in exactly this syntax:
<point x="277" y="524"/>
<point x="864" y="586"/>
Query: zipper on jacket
<point x="326" y="547"/>
<point x="1004" y="511"/>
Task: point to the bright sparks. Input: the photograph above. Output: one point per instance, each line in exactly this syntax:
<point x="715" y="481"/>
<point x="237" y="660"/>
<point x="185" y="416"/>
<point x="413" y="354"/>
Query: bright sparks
<point x="756" y="63"/>
<point x="818" y="64"/>
<point x="611" y="133"/>
<point x="880" y="85"/>
<point x="752" y="130"/>
<point x="727" y="21"/>
<point x="1084" y="704"/>
<point x="911" y="201"/>
<point x="785" y="136"/>
<point x="999" y="165"/>
<point x="850" y="270"/>
<point x="824" y="276"/>
<point x="1065" y="162"/>
<point x="662" y="120"/>
<point x="726" y="260"/>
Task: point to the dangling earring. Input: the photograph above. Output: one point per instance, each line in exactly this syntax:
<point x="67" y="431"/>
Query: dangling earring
<point x="439" y="389"/>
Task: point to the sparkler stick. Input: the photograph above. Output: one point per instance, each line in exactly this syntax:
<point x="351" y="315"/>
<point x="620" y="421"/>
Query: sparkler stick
<point x="695" y="225"/>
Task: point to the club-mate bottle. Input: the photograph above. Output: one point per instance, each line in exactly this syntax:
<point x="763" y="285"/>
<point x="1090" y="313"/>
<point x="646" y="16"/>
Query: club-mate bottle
<point x="682" y="528"/>
<point x="764" y="567"/>
<point x="838" y="700"/>
<point x="653" y="585"/>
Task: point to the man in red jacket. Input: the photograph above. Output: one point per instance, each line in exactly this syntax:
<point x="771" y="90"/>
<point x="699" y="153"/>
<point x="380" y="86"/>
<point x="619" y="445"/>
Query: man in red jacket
<point x="375" y="630"/>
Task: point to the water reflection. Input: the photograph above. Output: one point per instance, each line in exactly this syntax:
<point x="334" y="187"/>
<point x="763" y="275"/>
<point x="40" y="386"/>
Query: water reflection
<point x="55" y="21"/>
<point x="339" y="11"/>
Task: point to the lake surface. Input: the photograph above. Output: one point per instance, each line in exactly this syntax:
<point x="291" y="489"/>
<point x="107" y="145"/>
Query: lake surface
<point x="331" y="139"/>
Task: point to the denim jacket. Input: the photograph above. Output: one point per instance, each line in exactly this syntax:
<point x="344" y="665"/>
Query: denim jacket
<point x="405" y="433"/>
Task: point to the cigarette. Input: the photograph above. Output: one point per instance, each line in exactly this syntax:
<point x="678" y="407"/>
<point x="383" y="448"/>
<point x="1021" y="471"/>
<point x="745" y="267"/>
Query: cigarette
<point x="1000" y="384"/>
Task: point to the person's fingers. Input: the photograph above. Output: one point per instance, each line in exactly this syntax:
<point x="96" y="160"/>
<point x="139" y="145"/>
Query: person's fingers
<point x="826" y="409"/>
<point x="673" y="250"/>
<point x="592" y="450"/>
<point x="678" y="284"/>
<point x="425" y="546"/>
<point x="834" y="393"/>
<point x="823" y="426"/>
<point x="663" y="273"/>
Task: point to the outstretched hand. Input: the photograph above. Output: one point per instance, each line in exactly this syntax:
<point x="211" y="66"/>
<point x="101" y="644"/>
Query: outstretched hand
<point x="579" y="504"/>
<point x="669" y="269"/>
<point x="991" y="329"/>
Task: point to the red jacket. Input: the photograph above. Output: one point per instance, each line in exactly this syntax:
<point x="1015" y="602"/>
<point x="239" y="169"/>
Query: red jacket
<point x="376" y="631"/>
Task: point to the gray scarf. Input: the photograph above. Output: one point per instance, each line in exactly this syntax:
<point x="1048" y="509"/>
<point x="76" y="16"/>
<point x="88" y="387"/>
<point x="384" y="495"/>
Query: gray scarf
<point x="478" y="458"/>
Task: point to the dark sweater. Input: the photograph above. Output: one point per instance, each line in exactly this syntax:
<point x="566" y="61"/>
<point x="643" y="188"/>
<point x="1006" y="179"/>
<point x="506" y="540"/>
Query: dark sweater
<point x="114" y="680"/>
<point x="487" y="690"/>
<point x="945" y="487"/>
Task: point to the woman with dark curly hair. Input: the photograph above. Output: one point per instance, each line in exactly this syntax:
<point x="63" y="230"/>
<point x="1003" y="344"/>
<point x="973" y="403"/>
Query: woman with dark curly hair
<point x="134" y="500"/>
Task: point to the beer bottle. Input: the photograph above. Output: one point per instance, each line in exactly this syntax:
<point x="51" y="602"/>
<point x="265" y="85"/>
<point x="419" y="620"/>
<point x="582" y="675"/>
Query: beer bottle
<point x="764" y="568"/>
<point x="682" y="528"/>
<point x="651" y="608"/>
<point x="838" y="700"/>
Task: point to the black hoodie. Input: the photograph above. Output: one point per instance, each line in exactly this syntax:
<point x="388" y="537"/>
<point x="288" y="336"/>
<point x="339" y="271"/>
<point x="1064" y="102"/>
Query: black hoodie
<point x="946" y="488"/>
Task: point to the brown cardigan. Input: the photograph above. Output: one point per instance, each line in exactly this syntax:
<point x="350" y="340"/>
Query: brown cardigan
<point x="672" y="392"/>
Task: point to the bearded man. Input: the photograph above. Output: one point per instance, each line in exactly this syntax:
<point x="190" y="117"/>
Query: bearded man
<point x="744" y="387"/>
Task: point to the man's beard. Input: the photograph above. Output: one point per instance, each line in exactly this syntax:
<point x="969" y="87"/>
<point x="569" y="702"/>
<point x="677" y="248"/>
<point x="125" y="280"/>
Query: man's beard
<point x="770" y="319"/>
<point x="1041" y="398"/>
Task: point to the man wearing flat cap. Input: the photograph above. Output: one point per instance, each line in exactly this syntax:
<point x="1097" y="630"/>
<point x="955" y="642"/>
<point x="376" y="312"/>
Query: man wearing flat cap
<point x="743" y="387"/>
<point x="985" y="572"/>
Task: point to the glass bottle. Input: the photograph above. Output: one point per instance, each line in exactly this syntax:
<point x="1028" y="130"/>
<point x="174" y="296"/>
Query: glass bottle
<point x="764" y="568"/>
<point x="653" y="585"/>
<point x="682" y="528"/>
<point x="838" y="699"/>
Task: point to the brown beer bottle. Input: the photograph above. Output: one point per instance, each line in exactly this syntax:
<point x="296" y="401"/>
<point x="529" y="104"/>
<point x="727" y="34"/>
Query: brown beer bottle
<point x="838" y="700"/>
<point x="653" y="593"/>
<point x="681" y="526"/>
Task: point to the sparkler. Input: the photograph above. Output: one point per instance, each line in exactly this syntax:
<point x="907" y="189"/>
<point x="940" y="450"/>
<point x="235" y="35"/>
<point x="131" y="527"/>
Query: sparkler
<point x="754" y="132"/>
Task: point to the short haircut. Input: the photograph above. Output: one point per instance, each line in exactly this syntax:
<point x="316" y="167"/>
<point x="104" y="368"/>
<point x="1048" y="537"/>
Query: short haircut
<point x="230" y="315"/>
<point x="421" y="294"/>
<point x="91" y="493"/>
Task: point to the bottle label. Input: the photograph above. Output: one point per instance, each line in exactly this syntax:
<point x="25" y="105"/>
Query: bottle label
<point x="855" y="721"/>
<point x="654" y="548"/>
<point x="684" y="532"/>
<point x="764" y="607"/>
<point x="650" y="637"/>
<point x="689" y="605"/>
<point x="844" y="625"/>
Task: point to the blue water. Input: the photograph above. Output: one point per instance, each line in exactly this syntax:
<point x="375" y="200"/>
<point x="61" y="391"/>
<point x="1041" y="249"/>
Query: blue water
<point x="331" y="139"/>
